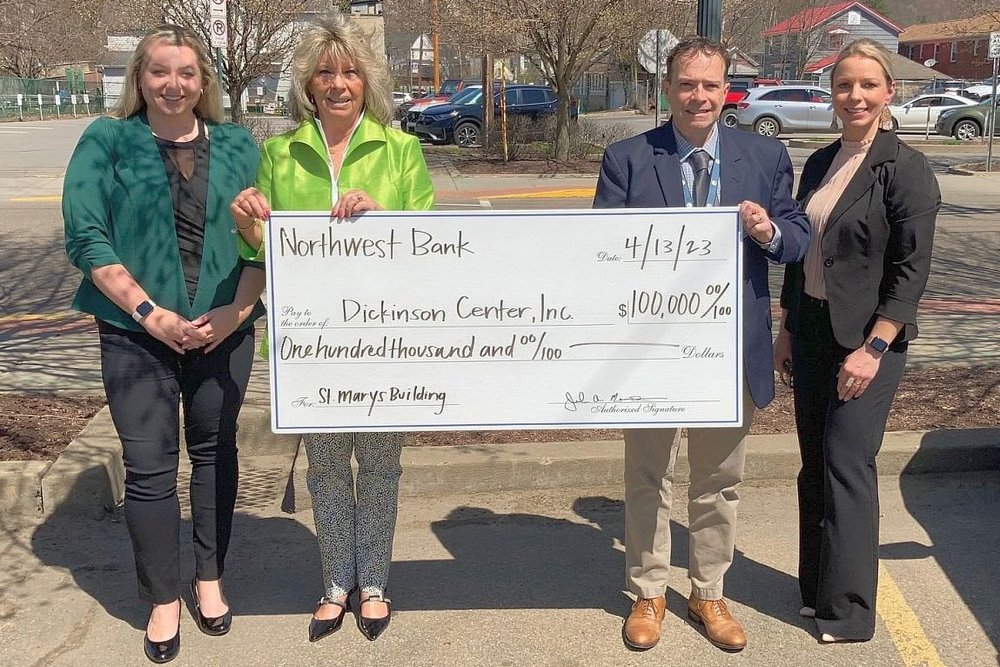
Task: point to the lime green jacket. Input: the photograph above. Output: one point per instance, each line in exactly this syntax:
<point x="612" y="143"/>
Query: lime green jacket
<point x="388" y="164"/>
<point x="294" y="173"/>
<point x="117" y="209"/>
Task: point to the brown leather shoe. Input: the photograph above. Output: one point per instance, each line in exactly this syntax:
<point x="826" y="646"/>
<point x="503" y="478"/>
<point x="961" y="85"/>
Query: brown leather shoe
<point x="720" y="627"/>
<point x="642" y="627"/>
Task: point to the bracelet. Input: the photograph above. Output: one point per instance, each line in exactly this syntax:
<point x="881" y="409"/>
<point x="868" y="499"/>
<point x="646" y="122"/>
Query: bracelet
<point x="255" y="221"/>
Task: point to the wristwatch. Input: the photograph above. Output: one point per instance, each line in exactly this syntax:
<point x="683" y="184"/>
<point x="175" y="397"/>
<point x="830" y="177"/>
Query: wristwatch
<point x="144" y="308"/>
<point x="878" y="344"/>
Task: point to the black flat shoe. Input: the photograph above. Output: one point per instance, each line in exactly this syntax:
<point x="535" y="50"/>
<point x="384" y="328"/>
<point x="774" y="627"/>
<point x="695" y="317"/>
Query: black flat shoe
<point x="373" y="627"/>
<point x="160" y="652"/>
<point x="319" y="628"/>
<point x="214" y="626"/>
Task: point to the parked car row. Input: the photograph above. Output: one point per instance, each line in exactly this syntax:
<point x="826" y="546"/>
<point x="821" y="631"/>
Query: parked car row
<point x="784" y="109"/>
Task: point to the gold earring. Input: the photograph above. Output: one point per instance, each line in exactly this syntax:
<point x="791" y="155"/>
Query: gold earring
<point x="885" y="119"/>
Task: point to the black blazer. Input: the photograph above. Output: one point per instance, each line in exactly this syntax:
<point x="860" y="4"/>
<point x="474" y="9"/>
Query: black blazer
<point x="644" y="171"/>
<point x="876" y="246"/>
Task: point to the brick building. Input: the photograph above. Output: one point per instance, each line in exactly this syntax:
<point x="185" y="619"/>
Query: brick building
<point x="960" y="47"/>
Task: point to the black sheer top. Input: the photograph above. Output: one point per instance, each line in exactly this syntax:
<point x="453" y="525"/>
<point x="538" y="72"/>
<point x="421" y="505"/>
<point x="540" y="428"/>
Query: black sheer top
<point x="187" y="172"/>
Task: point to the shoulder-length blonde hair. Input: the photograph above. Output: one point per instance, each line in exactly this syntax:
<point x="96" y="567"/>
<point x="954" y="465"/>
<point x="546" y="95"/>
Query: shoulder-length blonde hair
<point x="132" y="102"/>
<point x="344" y="40"/>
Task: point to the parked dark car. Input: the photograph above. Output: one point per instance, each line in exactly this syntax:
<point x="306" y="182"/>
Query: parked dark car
<point x="463" y="123"/>
<point x="966" y="123"/>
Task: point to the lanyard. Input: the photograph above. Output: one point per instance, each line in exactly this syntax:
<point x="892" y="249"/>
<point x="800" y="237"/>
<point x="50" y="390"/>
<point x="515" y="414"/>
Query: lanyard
<point x="713" y="188"/>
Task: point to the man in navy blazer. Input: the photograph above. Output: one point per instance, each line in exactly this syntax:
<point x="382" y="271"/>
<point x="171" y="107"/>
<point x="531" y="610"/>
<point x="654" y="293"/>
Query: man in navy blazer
<point x="695" y="161"/>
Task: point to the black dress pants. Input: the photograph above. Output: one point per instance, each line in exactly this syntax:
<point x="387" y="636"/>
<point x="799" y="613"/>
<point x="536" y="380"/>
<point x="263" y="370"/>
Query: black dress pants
<point x="838" y="483"/>
<point x="144" y="381"/>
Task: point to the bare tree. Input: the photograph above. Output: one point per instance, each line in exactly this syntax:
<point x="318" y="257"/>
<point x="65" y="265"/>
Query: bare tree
<point x="261" y="34"/>
<point x="562" y="38"/>
<point x="646" y="15"/>
<point x="38" y="34"/>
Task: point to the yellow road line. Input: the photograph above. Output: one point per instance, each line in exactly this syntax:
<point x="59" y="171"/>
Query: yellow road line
<point x="37" y="198"/>
<point x="904" y="628"/>
<point x="565" y="193"/>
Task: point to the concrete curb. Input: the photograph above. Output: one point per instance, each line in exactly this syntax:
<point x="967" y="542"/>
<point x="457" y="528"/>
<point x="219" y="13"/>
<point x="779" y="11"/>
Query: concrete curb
<point x="88" y="478"/>
<point x="20" y="486"/>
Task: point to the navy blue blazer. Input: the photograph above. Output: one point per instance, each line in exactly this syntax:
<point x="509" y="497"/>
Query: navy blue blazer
<point x="645" y="172"/>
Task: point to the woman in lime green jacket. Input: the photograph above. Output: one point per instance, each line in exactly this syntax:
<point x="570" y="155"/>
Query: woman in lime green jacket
<point x="343" y="157"/>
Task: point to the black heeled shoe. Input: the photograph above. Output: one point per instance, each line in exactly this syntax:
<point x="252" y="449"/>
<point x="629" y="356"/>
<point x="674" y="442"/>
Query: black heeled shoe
<point x="160" y="652"/>
<point x="373" y="627"/>
<point x="214" y="626"/>
<point x="319" y="628"/>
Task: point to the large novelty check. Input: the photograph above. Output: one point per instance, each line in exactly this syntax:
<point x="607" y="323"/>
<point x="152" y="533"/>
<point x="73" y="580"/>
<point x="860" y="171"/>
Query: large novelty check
<point x="505" y="319"/>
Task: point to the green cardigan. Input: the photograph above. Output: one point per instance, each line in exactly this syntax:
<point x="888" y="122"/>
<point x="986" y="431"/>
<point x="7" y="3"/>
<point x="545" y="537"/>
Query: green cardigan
<point x="388" y="164"/>
<point x="294" y="174"/>
<point x="117" y="209"/>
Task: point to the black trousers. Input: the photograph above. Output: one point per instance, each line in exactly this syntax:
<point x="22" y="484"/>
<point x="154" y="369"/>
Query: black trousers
<point x="838" y="483"/>
<point x="144" y="381"/>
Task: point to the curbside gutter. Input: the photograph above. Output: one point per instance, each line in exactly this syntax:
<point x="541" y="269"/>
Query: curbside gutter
<point x="91" y="467"/>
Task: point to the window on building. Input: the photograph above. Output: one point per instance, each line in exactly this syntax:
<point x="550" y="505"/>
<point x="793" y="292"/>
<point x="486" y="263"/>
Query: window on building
<point x="975" y="47"/>
<point x="853" y="18"/>
<point x="911" y="51"/>
<point x="835" y="40"/>
<point x="954" y="51"/>
<point x="937" y="52"/>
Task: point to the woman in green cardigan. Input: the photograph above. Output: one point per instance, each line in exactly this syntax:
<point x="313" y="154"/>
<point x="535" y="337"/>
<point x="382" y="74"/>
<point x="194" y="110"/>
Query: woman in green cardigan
<point x="344" y="158"/>
<point x="145" y="207"/>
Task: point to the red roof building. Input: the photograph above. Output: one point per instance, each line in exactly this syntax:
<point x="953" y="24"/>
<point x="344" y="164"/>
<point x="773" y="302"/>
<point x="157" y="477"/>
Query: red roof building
<point x="803" y="45"/>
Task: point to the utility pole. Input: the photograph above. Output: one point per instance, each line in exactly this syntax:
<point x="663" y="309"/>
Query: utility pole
<point x="487" y="100"/>
<point x="436" y="43"/>
<point x="710" y="19"/>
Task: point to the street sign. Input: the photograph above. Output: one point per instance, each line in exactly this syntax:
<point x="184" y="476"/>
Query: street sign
<point x="995" y="45"/>
<point x="647" y="51"/>
<point x="218" y="28"/>
<point x="20" y="100"/>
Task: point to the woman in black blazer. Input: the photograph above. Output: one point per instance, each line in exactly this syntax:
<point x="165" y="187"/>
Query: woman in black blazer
<point x="849" y="312"/>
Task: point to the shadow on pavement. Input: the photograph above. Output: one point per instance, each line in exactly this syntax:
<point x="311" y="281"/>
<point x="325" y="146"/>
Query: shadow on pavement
<point x="500" y="562"/>
<point x="272" y="567"/>
<point x="961" y="523"/>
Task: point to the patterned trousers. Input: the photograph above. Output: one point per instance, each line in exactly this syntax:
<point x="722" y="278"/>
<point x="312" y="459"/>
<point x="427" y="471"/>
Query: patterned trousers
<point x="355" y="520"/>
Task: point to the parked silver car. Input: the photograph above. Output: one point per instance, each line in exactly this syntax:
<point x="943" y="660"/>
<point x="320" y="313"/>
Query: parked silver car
<point x="776" y="109"/>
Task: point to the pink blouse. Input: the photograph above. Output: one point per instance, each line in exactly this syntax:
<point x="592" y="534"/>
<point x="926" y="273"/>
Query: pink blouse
<point x="821" y="204"/>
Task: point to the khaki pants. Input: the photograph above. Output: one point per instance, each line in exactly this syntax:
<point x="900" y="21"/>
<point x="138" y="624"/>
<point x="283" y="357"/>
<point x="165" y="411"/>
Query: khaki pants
<point x="716" y="457"/>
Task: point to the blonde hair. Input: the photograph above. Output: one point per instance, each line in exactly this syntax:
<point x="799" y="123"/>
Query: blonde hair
<point x="869" y="48"/>
<point x="866" y="48"/>
<point x="131" y="102"/>
<point x="344" y="41"/>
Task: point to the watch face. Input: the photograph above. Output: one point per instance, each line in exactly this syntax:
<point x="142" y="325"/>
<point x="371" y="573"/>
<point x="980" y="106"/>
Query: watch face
<point x="144" y="308"/>
<point x="878" y="345"/>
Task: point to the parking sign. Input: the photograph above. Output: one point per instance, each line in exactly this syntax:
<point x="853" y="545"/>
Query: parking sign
<point x="995" y="45"/>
